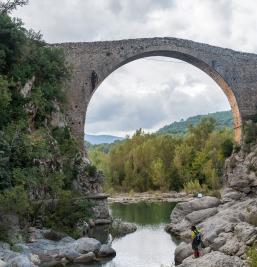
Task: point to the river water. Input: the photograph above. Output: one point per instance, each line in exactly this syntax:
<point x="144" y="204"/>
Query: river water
<point x="150" y="245"/>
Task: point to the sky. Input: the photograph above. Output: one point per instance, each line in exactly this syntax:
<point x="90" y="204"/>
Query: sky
<point x="151" y="92"/>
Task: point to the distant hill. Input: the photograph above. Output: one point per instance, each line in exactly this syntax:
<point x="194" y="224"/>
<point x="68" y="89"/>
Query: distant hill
<point x="101" y="139"/>
<point x="223" y="118"/>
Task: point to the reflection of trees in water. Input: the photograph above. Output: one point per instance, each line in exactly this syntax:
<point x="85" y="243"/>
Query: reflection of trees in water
<point x="143" y="213"/>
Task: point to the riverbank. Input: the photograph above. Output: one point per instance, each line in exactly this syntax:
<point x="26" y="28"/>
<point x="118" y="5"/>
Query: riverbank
<point x="150" y="197"/>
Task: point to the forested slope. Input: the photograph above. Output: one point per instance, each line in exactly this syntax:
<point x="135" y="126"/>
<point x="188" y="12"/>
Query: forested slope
<point x="39" y="159"/>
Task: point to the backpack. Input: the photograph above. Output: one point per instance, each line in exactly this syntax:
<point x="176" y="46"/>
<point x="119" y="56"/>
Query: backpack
<point x="197" y="240"/>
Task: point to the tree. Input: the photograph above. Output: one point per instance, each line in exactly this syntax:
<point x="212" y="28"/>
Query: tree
<point x="11" y="5"/>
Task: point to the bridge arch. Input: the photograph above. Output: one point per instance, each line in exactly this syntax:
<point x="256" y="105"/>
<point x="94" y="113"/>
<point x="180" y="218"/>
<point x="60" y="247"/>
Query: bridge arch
<point x="211" y="72"/>
<point x="233" y="71"/>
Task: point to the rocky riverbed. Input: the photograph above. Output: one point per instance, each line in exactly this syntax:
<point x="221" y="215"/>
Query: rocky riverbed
<point x="49" y="248"/>
<point x="150" y="197"/>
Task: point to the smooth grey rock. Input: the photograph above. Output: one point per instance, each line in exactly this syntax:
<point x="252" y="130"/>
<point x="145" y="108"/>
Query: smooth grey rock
<point x="106" y="251"/>
<point x="3" y="263"/>
<point x="231" y="246"/>
<point x="184" y="208"/>
<point x="198" y="216"/>
<point x="213" y="259"/>
<point x="85" y="258"/>
<point x="182" y="251"/>
<point x="218" y="242"/>
<point x="245" y="232"/>
<point x="21" y="261"/>
<point x="86" y="245"/>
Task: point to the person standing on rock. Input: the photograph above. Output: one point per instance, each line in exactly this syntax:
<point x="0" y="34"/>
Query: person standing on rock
<point x="197" y="241"/>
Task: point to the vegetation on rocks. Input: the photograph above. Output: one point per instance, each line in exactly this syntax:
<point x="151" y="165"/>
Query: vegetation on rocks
<point x="38" y="160"/>
<point x="166" y="162"/>
<point x="252" y="255"/>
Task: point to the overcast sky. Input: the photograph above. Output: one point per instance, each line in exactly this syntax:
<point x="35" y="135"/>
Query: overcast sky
<point x="152" y="92"/>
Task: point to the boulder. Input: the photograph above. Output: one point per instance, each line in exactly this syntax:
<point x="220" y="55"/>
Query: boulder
<point x="231" y="246"/>
<point x="53" y="235"/>
<point x="184" y="208"/>
<point x="182" y="251"/>
<point x="229" y="194"/>
<point x="106" y="251"/>
<point x="21" y="261"/>
<point x="85" y="258"/>
<point x="218" y="242"/>
<point x="3" y="263"/>
<point x="246" y="232"/>
<point x="198" y="216"/>
<point x="214" y="259"/>
<point x="69" y="253"/>
<point x="185" y="214"/>
<point x="120" y="228"/>
<point x="86" y="245"/>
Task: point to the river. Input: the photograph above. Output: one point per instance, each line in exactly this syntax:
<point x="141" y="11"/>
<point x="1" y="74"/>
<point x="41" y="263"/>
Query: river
<point x="150" y="245"/>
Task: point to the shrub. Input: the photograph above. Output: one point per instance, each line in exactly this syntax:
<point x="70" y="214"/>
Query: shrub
<point x="15" y="200"/>
<point x="227" y="148"/>
<point x="66" y="213"/>
<point x="192" y="186"/>
<point x="252" y="256"/>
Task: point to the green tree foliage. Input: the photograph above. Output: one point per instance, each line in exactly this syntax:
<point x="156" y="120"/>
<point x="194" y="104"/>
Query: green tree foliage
<point x="37" y="162"/>
<point x="165" y="162"/>
<point x="222" y="118"/>
<point x="65" y="214"/>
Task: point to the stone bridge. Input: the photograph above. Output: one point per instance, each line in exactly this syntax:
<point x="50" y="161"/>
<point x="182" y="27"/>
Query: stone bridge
<point x="234" y="72"/>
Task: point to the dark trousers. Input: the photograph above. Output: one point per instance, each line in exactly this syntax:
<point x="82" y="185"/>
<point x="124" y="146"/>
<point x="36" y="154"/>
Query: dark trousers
<point x="196" y="253"/>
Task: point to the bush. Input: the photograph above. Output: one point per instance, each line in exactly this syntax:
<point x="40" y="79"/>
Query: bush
<point x="66" y="213"/>
<point x="252" y="256"/>
<point x="227" y="148"/>
<point x="192" y="187"/>
<point x="15" y="200"/>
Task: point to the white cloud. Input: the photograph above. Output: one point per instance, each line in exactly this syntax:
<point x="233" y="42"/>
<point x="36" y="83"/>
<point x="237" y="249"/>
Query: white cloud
<point x="148" y="93"/>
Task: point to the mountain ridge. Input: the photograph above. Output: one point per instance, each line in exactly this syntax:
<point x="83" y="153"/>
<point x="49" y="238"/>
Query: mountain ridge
<point x="223" y="118"/>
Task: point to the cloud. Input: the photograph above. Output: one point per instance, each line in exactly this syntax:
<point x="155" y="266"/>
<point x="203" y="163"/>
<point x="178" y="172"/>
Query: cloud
<point x="148" y="93"/>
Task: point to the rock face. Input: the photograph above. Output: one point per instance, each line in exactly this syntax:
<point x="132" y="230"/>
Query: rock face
<point x="240" y="171"/>
<point x="182" y="251"/>
<point x="189" y="213"/>
<point x="225" y="230"/>
<point x="229" y="225"/>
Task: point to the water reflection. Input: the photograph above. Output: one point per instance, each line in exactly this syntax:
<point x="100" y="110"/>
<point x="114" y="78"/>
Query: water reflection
<point x="143" y="213"/>
<point x="150" y="245"/>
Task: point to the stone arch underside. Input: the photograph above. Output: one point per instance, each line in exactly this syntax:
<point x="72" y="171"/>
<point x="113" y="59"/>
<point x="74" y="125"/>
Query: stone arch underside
<point x="234" y="72"/>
